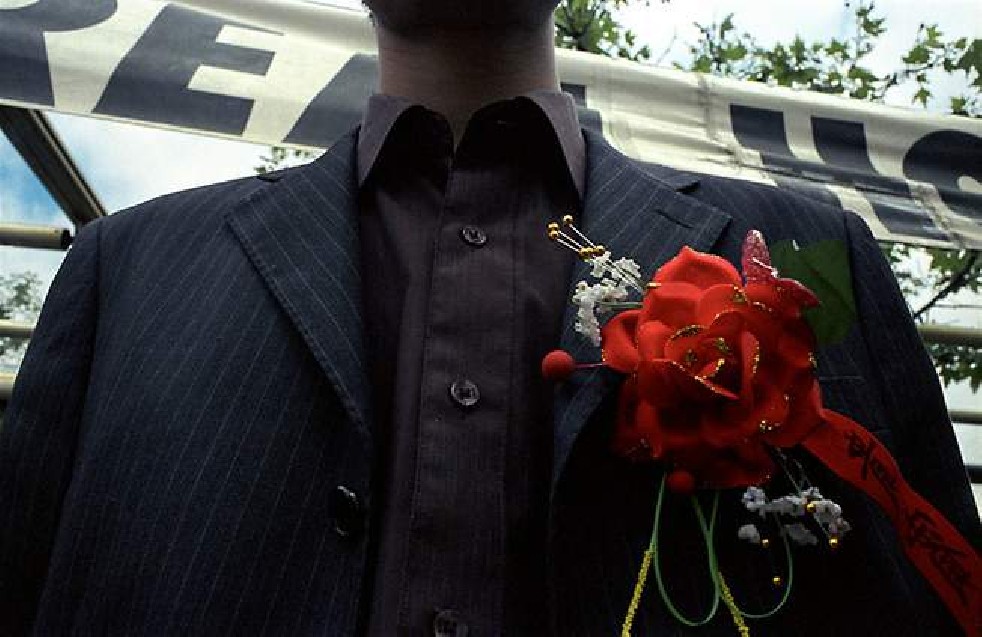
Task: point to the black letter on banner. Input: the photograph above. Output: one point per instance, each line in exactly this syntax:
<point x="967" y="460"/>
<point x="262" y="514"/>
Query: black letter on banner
<point x="844" y="147"/>
<point x="763" y="130"/>
<point x="150" y="84"/>
<point x="339" y="105"/>
<point x="24" y="74"/>
<point x="940" y="158"/>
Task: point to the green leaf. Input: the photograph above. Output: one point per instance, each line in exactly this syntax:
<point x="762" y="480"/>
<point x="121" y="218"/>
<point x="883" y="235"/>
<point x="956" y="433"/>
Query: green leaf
<point x="823" y="268"/>
<point x="958" y="105"/>
<point x="922" y="95"/>
<point x="735" y="53"/>
<point x="918" y="55"/>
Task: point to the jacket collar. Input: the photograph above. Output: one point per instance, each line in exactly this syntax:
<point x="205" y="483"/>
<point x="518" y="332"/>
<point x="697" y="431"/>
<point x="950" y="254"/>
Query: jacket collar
<point x="639" y="213"/>
<point x="301" y="234"/>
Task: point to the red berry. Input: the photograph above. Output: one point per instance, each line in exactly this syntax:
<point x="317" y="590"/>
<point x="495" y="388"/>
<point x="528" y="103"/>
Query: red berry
<point x="557" y="365"/>
<point x="680" y="482"/>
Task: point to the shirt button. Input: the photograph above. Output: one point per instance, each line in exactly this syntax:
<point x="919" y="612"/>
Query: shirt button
<point x="464" y="392"/>
<point x="474" y="236"/>
<point x="346" y="511"/>
<point x="446" y="623"/>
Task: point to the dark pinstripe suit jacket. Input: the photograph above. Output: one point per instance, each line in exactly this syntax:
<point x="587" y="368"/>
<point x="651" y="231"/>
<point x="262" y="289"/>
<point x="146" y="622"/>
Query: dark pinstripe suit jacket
<point x="196" y="392"/>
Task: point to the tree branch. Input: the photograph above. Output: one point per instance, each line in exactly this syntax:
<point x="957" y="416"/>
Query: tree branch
<point x="954" y="285"/>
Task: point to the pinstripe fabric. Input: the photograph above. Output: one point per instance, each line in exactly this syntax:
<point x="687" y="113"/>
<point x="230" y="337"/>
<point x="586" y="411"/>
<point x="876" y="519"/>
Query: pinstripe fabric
<point x="188" y="400"/>
<point x="195" y="391"/>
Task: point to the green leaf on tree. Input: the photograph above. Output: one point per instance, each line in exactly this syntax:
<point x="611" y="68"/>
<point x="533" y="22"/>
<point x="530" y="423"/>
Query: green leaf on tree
<point x="823" y="268"/>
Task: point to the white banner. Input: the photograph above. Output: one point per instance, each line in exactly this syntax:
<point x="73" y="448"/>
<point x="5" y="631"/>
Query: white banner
<point x="298" y="74"/>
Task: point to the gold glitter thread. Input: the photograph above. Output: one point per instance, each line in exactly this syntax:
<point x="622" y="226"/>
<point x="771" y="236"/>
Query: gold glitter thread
<point x="735" y="613"/>
<point x="720" y="363"/>
<point x="688" y="330"/>
<point x="632" y="609"/>
<point x="722" y="346"/>
<point x="766" y="426"/>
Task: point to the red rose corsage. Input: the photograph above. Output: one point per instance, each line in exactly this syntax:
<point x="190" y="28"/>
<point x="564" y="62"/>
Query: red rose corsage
<point x="719" y="385"/>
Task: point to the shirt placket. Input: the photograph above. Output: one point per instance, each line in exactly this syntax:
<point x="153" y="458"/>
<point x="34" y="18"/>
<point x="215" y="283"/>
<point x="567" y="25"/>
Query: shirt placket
<point x="454" y="566"/>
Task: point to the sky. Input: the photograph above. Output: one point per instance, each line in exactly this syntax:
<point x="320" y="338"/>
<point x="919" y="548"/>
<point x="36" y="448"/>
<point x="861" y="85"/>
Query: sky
<point x="127" y="164"/>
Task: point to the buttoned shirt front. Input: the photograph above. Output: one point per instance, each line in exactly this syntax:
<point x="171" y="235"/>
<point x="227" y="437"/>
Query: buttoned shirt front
<point x="464" y="294"/>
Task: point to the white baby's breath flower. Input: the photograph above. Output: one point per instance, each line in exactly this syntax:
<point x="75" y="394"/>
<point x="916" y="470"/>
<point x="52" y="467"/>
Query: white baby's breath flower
<point x="755" y="500"/>
<point x="628" y="266"/>
<point x="749" y="533"/>
<point x="793" y="505"/>
<point x="601" y="264"/>
<point x="593" y="302"/>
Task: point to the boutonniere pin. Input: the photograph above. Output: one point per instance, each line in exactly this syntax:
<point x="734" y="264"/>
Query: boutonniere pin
<point x="720" y="388"/>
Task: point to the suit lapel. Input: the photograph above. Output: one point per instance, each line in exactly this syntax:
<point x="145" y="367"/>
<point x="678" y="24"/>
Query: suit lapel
<point x="301" y="233"/>
<point x="636" y="213"/>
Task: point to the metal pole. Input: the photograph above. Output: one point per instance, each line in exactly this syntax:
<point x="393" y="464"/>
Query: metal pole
<point x="6" y="385"/>
<point x="950" y="335"/>
<point x="26" y="236"/>
<point x="37" y="142"/>
<point x="16" y="329"/>
<point x="965" y="416"/>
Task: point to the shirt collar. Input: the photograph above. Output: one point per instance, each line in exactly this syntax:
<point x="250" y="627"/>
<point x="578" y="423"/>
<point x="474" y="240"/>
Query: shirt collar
<point x="383" y="111"/>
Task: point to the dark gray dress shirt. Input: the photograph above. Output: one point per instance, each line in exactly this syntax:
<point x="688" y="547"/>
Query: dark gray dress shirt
<point x="464" y="295"/>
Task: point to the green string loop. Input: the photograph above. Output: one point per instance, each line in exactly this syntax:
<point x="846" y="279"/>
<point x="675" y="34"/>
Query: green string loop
<point x="707" y="534"/>
<point x="787" y="588"/>
<point x="708" y="531"/>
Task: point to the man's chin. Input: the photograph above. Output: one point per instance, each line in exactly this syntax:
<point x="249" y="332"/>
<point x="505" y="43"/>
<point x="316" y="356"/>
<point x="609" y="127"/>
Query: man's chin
<point x="419" y="17"/>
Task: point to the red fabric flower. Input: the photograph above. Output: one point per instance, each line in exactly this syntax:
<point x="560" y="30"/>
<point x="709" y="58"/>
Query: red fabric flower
<point x="718" y="369"/>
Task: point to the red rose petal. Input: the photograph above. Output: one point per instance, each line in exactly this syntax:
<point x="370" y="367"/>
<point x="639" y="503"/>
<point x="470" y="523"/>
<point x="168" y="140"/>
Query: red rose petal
<point x="797" y="292"/>
<point x="672" y="303"/>
<point x="619" y="349"/>
<point x="750" y="356"/>
<point x="698" y="268"/>
<point x="718" y="299"/>
<point x="652" y="337"/>
<point x="805" y="414"/>
<point x="665" y="383"/>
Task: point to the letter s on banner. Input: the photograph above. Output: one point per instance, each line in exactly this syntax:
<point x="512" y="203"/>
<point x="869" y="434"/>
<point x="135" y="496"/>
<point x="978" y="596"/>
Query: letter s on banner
<point x="22" y="32"/>
<point x="942" y="158"/>
<point x="844" y="150"/>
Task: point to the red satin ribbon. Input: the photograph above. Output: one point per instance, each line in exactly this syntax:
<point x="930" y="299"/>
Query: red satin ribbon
<point x="940" y="553"/>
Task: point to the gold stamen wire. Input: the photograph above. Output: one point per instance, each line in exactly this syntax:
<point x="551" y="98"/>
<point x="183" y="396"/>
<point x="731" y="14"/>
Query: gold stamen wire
<point x="584" y="248"/>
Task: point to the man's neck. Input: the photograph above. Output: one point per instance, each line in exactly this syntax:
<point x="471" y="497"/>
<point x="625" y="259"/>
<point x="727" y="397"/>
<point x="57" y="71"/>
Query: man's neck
<point x="456" y="73"/>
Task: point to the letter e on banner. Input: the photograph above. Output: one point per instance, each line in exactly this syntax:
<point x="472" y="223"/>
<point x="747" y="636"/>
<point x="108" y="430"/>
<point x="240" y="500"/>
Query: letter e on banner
<point x="151" y="83"/>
